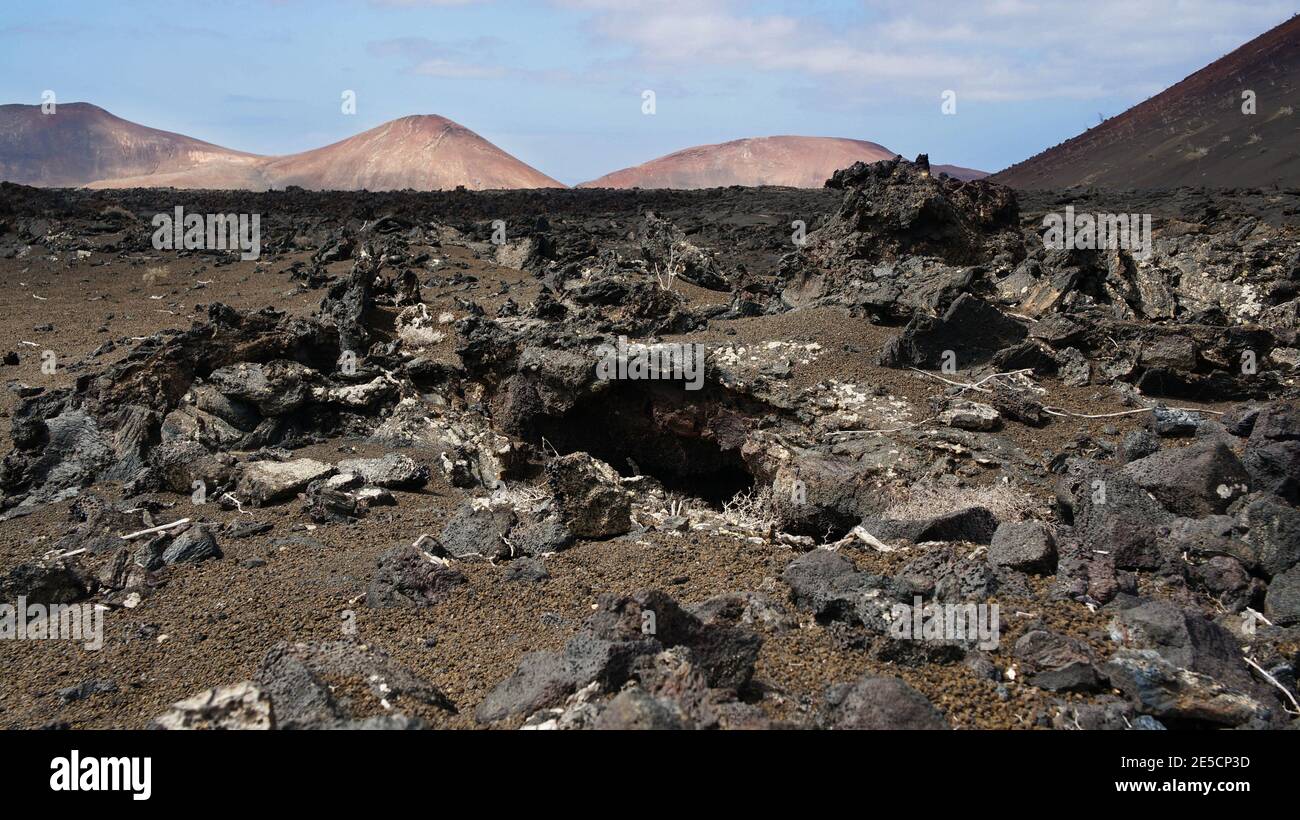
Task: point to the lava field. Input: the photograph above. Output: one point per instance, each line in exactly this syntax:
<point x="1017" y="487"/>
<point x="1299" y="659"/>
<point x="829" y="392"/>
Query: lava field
<point x="866" y="456"/>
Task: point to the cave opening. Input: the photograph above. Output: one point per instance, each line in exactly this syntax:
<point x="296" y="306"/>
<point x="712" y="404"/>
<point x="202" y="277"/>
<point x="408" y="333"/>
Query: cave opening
<point x="687" y="440"/>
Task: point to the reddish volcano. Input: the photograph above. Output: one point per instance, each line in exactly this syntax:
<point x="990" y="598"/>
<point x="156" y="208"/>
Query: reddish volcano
<point x="83" y="145"/>
<point x="426" y="153"/>
<point x="796" y="162"/>
<point x="79" y="143"/>
<point x="1195" y="132"/>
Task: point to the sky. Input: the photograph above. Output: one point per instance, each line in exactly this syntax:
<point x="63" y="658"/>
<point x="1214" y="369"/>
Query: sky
<point x="561" y="84"/>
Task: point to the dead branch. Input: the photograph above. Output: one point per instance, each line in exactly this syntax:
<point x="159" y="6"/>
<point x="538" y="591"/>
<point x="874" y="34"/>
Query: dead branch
<point x="879" y="432"/>
<point x="1274" y="681"/>
<point x="1058" y="411"/>
<point x="152" y="530"/>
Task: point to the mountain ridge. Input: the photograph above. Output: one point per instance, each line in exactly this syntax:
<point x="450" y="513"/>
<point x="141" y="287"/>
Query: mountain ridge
<point x="1193" y="133"/>
<point x="788" y="160"/>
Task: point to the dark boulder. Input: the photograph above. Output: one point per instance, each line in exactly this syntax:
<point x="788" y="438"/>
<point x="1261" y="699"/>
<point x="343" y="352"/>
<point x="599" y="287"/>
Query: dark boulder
<point x="975" y="525"/>
<point x="1027" y="546"/>
<point x="1057" y="662"/>
<point x="406" y="576"/>
<point x="878" y="703"/>
<point x="1203" y="478"/>
<point x="971" y="329"/>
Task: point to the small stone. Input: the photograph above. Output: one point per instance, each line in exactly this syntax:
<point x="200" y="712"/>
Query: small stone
<point x="1026" y="546"/>
<point x="394" y="471"/>
<point x="879" y="703"/>
<point x="1164" y="691"/>
<point x="1167" y="423"/>
<point x="405" y="576"/>
<point x="239" y="706"/>
<point x="1200" y="479"/>
<point x="590" y="496"/>
<point x="674" y="523"/>
<point x="263" y="482"/>
<point x="970" y="415"/>
<point x="1138" y="444"/>
<point x="86" y="689"/>
<point x="526" y="569"/>
<point x="342" y="482"/>
<point x="191" y="546"/>
<point x="1057" y="663"/>
<point x="1282" y="603"/>
<point x="376" y="497"/>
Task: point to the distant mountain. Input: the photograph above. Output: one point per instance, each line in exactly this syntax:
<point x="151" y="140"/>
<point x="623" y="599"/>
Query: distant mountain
<point x="80" y="143"/>
<point x="797" y="162"/>
<point x="83" y="145"/>
<point x="425" y="153"/>
<point x="1193" y="133"/>
<point x="958" y="172"/>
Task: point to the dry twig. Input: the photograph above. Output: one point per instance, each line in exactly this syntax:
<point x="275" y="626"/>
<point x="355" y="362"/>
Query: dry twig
<point x="159" y="528"/>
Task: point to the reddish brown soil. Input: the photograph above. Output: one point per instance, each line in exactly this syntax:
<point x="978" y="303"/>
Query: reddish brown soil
<point x="212" y="622"/>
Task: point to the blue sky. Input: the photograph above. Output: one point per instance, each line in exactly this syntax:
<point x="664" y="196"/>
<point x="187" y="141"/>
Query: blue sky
<point x="558" y="83"/>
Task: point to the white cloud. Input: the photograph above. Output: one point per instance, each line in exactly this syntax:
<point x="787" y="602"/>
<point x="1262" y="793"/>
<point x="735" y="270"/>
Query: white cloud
<point x="1002" y="50"/>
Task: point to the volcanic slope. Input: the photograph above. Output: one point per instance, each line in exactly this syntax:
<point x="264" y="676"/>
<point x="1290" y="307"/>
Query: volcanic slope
<point x="796" y="162"/>
<point x="1196" y="132"/>
<point x="83" y="145"/>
